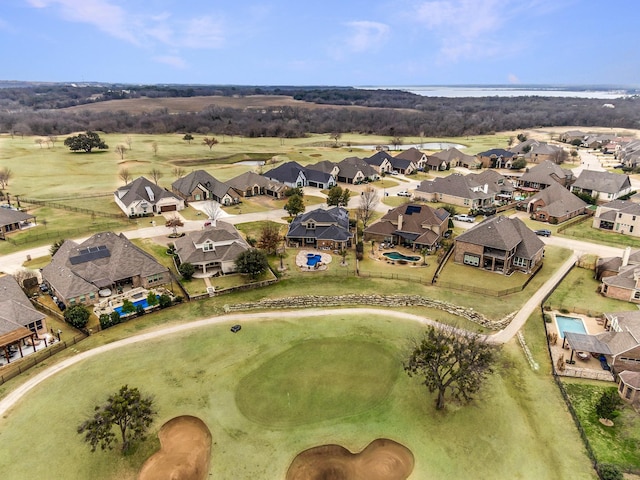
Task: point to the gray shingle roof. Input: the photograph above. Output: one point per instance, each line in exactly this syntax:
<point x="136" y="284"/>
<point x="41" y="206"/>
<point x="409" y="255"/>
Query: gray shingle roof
<point x="142" y="189"/>
<point x="378" y="157"/>
<point x="456" y="185"/>
<point x="187" y="184"/>
<point x="288" y="172"/>
<point x="558" y="201"/>
<point x="504" y="233"/>
<point x="15" y="308"/>
<point x="412" y="154"/>
<point x="350" y="166"/>
<point x="9" y="217"/>
<point x="545" y="172"/>
<point x="331" y="224"/>
<point x="606" y="182"/>
<point x="223" y="236"/>
<point x="249" y="179"/>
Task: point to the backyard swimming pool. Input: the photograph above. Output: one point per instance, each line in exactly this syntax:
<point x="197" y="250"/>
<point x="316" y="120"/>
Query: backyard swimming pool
<point x="143" y="303"/>
<point x="570" y="324"/>
<point x="313" y="258"/>
<point x="399" y="256"/>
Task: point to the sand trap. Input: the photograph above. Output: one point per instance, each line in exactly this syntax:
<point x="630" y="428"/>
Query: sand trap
<point x="382" y="459"/>
<point x="185" y="451"/>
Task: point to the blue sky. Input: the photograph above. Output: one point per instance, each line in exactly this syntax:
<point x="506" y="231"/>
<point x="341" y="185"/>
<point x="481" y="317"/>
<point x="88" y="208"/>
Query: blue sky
<point x="329" y="42"/>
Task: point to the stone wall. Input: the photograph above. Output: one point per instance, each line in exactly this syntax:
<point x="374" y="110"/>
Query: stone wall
<point x="389" y="301"/>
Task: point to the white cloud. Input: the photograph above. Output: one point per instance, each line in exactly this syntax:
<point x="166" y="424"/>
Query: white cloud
<point x="171" y="60"/>
<point x="147" y="29"/>
<point x="366" y="35"/>
<point x="474" y="29"/>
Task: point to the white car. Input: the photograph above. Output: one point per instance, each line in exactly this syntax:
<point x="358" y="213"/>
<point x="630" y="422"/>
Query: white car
<point x="404" y="193"/>
<point x="394" y="172"/>
<point x="464" y="218"/>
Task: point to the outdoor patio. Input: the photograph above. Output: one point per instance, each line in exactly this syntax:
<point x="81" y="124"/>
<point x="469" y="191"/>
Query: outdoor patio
<point x="110" y="303"/>
<point x="584" y="364"/>
<point x="41" y="343"/>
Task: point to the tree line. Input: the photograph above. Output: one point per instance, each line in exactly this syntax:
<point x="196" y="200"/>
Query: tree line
<point x="389" y="113"/>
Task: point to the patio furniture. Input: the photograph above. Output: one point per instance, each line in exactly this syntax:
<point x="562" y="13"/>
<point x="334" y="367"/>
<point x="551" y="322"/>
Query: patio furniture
<point x="583" y="356"/>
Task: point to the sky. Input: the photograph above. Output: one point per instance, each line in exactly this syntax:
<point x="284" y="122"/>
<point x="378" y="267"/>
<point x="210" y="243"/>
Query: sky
<point x="328" y="42"/>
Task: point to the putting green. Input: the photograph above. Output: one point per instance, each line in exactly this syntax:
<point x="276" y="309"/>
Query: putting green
<point x="318" y="380"/>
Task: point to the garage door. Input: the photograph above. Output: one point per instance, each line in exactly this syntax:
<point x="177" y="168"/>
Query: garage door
<point x="168" y="208"/>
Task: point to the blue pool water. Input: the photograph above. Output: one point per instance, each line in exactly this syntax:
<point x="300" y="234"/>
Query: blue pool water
<point x="312" y="259"/>
<point x="399" y="256"/>
<point x="142" y="303"/>
<point x="570" y="324"/>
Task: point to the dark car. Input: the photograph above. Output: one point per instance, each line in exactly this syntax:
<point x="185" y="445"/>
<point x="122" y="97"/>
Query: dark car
<point x="61" y="306"/>
<point x="543" y="233"/>
<point x="44" y="288"/>
<point x="447" y="234"/>
<point x="236" y="328"/>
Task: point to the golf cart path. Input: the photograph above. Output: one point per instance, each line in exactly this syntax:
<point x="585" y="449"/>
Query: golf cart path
<point x="16" y="395"/>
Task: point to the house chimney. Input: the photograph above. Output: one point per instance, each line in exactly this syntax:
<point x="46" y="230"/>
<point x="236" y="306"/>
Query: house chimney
<point x="625" y="256"/>
<point x="400" y="218"/>
<point x="485" y="188"/>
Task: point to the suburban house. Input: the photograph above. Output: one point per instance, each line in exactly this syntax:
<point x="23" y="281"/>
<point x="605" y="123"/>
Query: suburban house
<point x="403" y="165"/>
<point x="620" y="276"/>
<point x="13" y="220"/>
<point x="497" y="183"/>
<point x="544" y="174"/>
<point x="457" y="189"/>
<point x="413" y="225"/>
<point x="201" y="185"/>
<point x="436" y="164"/>
<point x="380" y="161"/>
<point x="324" y="229"/>
<point x="629" y="154"/>
<point x="622" y="216"/>
<point x="213" y="250"/>
<point x="414" y="156"/>
<point x="143" y="197"/>
<point x="291" y="174"/>
<point x="572" y="135"/>
<point x="604" y="186"/>
<point x="542" y="152"/>
<point x="18" y="319"/>
<point x="250" y="184"/>
<point x="629" y="386"/>
<point x="355" y="170"/>
<point x="106" y="261"/>
<point x="454" y="158"/>
<point x="555" y="204"/>
<point x="496" y="158"/>
<point x="620" y="345"/>
<point x="322" y="175"/>
<point x="499" y="244"/>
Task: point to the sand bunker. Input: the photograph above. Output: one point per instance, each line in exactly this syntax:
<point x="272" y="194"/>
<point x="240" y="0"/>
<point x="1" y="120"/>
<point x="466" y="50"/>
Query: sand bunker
<point x="383" y="459"/>
<point x="185" y="451"/>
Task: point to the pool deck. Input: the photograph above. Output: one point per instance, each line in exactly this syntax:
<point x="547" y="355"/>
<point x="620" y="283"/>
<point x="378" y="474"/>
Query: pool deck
<point x="301" y="260"/>
<point x="589" y="367"/>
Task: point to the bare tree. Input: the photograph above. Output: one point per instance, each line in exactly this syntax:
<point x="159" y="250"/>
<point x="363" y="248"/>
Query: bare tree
<point x="5" y="176"/>
<point x="52" y="139"/>
<point x="125" y="175"/>
<point x="39" y="141"/>
<point x="156" y="175"/>
<point x="210" y="142"/>
<point x="23" y="274"/>
<point x="270" y="237"/>
<point x="368" y="202"/>
<point x="174" y="223"/>
<point x="212" y="209"/>
<point x="335" y="136"/>
<point x="449" y="360"/>
<point x="128" y="142"/>
<point x="154" y="148"/>
<point x="396" y="142"/>
<point x="178" y="172"/>
<point x="121" y="150"/>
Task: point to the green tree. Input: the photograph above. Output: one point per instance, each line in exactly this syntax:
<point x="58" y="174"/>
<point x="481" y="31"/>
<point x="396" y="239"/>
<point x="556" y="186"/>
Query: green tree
<point x="56" y="246"/>
<point x="295" y="205"/>
<point x="291" y="191"/>
<point x="128" y="410"/>
<point x="152" y="299"/>
<point x="252" y="262"/>
<point x="449" y="360"/>
<point x="522" y="137"/>
<point x="519" y="163"/>
<point x="424" y="252"/>
<point x="187" y="270"/>
<point x="85" y="142"/>
<point x="164" y="301"/>
<point x="78" y="316"/>
<point x="608" y="404"/>
<point x="128" y="306"/>
<point x="607" y="471"/>
<point x="187" y="137"/>
<point x="334" y="197"/>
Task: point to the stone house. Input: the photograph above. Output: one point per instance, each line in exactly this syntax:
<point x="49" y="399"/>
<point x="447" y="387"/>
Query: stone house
<point x="200" y="185"/>
<point x="604" y="186"/>
<point x="143" y="197"/>
<point x="457" y="189"/>
<point x="555" y="204"/>
<point x="324" y="229"/>
<point x="621" y="216"/>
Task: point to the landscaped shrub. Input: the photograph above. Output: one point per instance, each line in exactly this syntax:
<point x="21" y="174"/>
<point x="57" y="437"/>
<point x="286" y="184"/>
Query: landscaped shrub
<point x="606" y="471"/>
<point x="187" y="270"/>
<point x="109" y="320"/>
<point x="564" y="310"/>
<point x="139" y="310"/>
<point x="547" y="318"/>
<point x="607" y="406"/>
<point x="78" y="316"/>
<point x="152" y="299"/>
<point x="164" y="301"/>
<point x="128" y="306"/>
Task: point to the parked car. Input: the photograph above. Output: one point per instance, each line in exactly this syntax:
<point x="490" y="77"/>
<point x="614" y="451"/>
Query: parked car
<point x="461" y="217"/>
<point x="394" y="172"/>
<point x="61" y="306"/>
<point x="447" y="234"/>
<point x="404" y="193"/>
<point x="44" y="288"/>
<point x="543" y="232"/>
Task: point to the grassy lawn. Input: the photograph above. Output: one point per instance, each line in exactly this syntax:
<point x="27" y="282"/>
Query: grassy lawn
<point x="619" y="444"/>
<point x="578" y="292"/>
<point x="229" y="381"/>
<point x="584" y="231"/>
